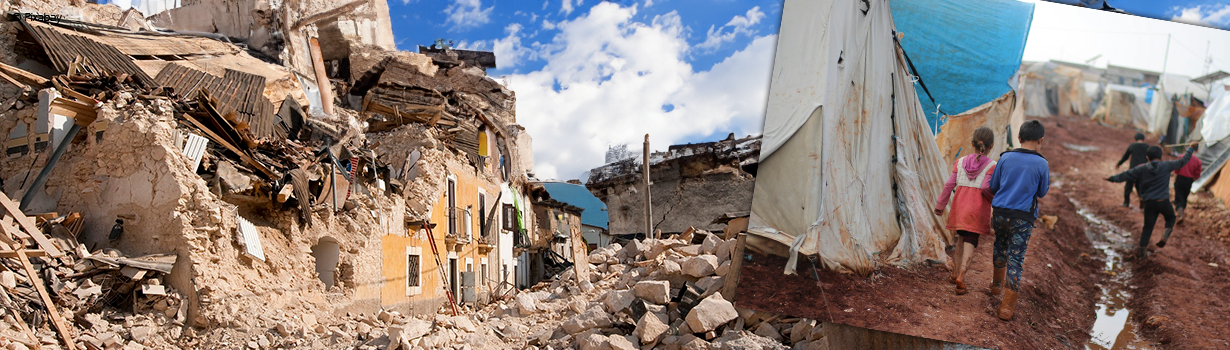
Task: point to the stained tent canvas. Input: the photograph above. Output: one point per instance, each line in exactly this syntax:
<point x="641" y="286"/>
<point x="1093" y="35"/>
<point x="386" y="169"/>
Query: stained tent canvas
<point x="849" y="166"/>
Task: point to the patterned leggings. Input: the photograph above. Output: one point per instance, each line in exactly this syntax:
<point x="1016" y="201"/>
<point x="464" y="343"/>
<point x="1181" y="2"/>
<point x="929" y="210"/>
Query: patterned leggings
<point x="1011" y="239"/>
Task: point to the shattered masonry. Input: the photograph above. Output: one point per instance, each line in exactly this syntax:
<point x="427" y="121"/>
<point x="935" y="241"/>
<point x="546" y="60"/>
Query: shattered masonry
<point x="692" y="184"/>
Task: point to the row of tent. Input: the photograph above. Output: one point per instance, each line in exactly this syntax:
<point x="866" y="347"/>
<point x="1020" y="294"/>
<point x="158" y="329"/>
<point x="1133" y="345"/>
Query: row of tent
<point x="858" y="110"/>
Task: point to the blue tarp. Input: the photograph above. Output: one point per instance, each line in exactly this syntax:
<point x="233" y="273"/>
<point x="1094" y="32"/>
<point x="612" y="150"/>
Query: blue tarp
<point x="966" y="52"/>
<point x="594" y="213"/>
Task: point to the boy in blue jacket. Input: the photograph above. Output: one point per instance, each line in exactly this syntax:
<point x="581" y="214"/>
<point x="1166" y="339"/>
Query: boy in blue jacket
<point x="1021" y="177"/>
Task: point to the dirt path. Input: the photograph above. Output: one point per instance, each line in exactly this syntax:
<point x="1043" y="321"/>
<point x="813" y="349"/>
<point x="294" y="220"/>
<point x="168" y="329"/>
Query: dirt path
<point x="1176" y="299"/>
<point x="1180" y="292"/>
<point x="1055" y="311"/>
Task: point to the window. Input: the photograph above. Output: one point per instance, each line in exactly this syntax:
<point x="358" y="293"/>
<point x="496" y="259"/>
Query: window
<point x="482" y="214"/>
<point x="414" y="271"/>
<point x="484" y="273"/>
<point x="452" y="205"/>
<point x="510" y="217"/>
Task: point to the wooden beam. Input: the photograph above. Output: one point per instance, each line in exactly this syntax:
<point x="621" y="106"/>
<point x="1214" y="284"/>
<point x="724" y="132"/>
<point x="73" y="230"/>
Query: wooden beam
<point x="736" y="269"/>
<point x="31" y="229"/>
<point x="242" y="155"/>
<point x="22" y="74"/>
<point x="322" y="79"/>
<point x="52" y="309"/>
<point x="28" y="252"/>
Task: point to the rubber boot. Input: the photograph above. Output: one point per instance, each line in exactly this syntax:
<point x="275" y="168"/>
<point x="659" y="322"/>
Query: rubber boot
<point x="1178" y="218"/>
<point x="1008" y="305"/>
<point x="1143" y="252"/>
<point x="1162" y="243"/>
<point x="997" y="281"/>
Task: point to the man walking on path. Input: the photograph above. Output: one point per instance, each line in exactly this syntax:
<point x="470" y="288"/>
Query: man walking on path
<point x="1021" y="177"/>
<point x="1135" y="151"/>
<point x="1153" y="179"/>
<point x="1183" y="185"/>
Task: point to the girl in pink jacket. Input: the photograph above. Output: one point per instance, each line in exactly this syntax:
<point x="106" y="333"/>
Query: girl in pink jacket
<point x="971" y="202"/>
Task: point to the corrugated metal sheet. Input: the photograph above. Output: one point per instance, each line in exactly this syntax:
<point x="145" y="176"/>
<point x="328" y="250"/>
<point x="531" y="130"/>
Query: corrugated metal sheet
<point x="63" y="47"/>
<point x="242" y="93"/>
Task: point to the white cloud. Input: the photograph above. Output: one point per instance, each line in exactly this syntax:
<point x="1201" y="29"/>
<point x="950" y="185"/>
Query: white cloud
<point x="567" y="6"/>
<point x="547" y="24"/>
<point x="648" y="3"/>
<point x="1209" y="16"/>
<point x="478" y="45"/>
<point x="508" y="50"/>
<point x="466" y="14"/>
<point x="601" y="87"/>
<point x="737" y="25"/>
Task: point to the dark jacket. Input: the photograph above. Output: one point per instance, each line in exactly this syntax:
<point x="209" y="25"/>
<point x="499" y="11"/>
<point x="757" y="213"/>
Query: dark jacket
<point x="1135" y="151"/>
<point x="1153" y="178"/>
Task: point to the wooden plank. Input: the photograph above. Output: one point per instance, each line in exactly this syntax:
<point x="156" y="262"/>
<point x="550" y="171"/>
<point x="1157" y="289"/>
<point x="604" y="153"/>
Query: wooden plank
<point x="242" y="155"/>
<point x="29" y="252"/>
<point x="28" y="225"/>
<point x="21" y="74"/>
<point x="736" y="269"/>
<point x="52" y="309"/>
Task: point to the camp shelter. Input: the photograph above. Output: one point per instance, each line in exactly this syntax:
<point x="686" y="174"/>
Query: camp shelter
<point x="1124" y="106"/>
<point x="1214" y="129"/>
<point x="1004" y="116"/>
<point x="964" y="53"/>
<point x="967" y="63"/>
<point x="1052" y="88"/>
<point x="849" y="167"/>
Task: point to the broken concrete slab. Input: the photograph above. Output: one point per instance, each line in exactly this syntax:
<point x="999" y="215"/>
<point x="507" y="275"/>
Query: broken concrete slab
<point x="700" y="266"/>
<point x="593" y="318"/>
<point x="712" y="312"/>
<point x="650" y="329"/>
<point x="657" y="292"/>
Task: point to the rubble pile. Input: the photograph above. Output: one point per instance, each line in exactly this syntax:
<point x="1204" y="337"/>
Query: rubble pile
<point x="189" y="208"/>
<point x="647" y="294"/>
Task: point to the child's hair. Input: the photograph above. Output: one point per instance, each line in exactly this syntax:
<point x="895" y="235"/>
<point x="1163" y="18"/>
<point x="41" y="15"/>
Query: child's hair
<point x="1154" y="153"/>
<point x="1031" y="131"/>
<point x="984" y="138"/>
<point x="1140" y="136"/>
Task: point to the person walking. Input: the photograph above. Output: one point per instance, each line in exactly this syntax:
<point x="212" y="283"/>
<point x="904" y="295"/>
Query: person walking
<point x="1183" y="185"/>
<point x="1153" y="179"/>
<point x="971" y="205"/>
<point x="1136" y="153"/>
<point x="1021" y="178"/>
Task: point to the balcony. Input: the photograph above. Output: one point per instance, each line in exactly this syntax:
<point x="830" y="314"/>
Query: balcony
<point x="459" y="228"/>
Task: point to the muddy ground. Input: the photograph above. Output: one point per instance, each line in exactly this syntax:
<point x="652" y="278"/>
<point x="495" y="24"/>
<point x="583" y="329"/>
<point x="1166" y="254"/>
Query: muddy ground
<point x="1176" y="293"/>
<point x="1055" y="310"/>
<point x="1180" y="292"/>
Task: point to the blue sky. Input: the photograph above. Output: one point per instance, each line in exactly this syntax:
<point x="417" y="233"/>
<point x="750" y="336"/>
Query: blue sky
<point x="592" y="74"/>
<point x="1210" y="13"/>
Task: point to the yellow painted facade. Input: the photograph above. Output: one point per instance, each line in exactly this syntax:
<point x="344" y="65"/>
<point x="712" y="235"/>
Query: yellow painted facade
<point x="395" y="293"/>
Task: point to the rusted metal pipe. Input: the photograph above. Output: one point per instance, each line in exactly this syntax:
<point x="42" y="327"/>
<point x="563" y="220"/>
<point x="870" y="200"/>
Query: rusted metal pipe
<point x="51" y="163"/>
<point x="322" y="79"/>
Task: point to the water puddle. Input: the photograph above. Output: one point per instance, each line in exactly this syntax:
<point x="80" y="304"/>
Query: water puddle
<point x="1114" y="328"/>
<point x="1080" y="148"/>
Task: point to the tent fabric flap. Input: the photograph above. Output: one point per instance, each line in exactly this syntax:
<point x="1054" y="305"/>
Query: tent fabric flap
<point x="854" y="182"/>
<point x="967" y="52"/>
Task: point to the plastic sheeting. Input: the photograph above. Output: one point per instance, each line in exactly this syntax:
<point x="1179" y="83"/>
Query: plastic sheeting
<point x="1213" y="127"/>
<point x="843" y="126"/>
<point x="966" y="52"/>
<point x="955" y="137"/>
<point x="1124" y="106"/>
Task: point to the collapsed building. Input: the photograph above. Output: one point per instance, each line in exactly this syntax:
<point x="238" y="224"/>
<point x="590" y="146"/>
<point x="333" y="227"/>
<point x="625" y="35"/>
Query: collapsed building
<point x="691" y="185"/>
<point x="251" y="158"/>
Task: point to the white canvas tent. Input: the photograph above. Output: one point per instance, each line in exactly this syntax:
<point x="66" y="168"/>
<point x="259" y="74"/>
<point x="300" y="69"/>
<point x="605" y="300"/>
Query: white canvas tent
<point x="849" y="169"/>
